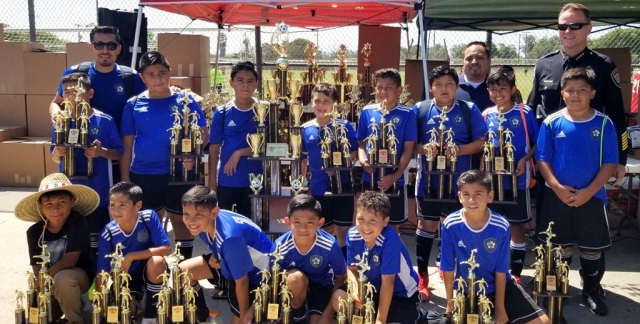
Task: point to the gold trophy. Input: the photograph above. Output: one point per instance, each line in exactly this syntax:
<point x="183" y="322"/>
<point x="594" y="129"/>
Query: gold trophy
<point x="369" y="306"/>
<point x="485" y="305"/>
<point x="43" y="309"/>
<point x="363" y="267"/>
<point x="471" y="283"/>
<point x="125" y="297"/>
<point x="342" y="308"/>
<point x="177" y="279"/>
<point x="272" y="313"/>
<point x="256" y="182"/>
<point x="19" y="314"/>
<point x="294" y="87"/>
<point x="261" y="110"/>
<point x="164" y="298"/>
<point x="325" y="146"/>
<point x="116" y="270"/>
<point x="295" y="142"/>
<point x="45" y="282"/>
<point x="429" y="148"/>
<point x="162" y="308"/>
<point x="190" y="302"/>
<point x="296" y="184"/>
<point x="297" y="109"/>
<point x="459" y="302"/>
<point x="371" y="144"/>
<point x="105" y="293"/>
<point x="452" y="153"/>
<point x="510" y="149"/>
<point x="96" y="309"/>
<point x="255" y="141"/>
<point x="285" y="297"/>
<point x="185" y="142"/>
<point x="272" y="88"/>
<point x="32" y="297"/>
<point x="257" y="305"/>
<point x="441" y="159"/>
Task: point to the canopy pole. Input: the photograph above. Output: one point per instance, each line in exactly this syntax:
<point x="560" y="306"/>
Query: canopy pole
<point x="424" y="55"/>
<point x="215" y="67"/>
<point x="136" y="39"/>
<point x="258" y="40"/>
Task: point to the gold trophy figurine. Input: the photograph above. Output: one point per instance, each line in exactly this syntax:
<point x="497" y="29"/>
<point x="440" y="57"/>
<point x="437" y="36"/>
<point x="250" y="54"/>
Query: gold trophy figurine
<point x="161" y="306"/>
<point x="548" y="247"/>
<point x="485" y="310"/>
<point x="104" y="291"/>
<point x="44" y="265"/>
<point x="275" y="269"/>
<point x="538" y="278"/>
<point x="32" y="297"/>
<point x="43" y="309"/>
<point x="459" y="302"/>
<point x="510" y="149"/>
<point x="342" y="308"/>
<point x="96" y="309"/>
<point x="190" y="302"/>
<point x="471" y="280"/>
<point x="441" y="160"/>
<point x="371" y="143"/>
<point x="500" y="118"/>
<point x="369" y="305"/>
<point x="264" y="290"/>
<point x="363" y="267"/>
<point x="325" y="146"/>
<point x="383" y="152"/>
<point x="255" y="141"/>
<point x="295" y="142"/>
<point x="257" y="305"/>
<point x="452" y="154"/>
<point x="482" y="298"/>
<point x="285" y="297"/>
<point x="429" y="148"/>
<point x="19" y="316"/>
<point x="116" y="270"/>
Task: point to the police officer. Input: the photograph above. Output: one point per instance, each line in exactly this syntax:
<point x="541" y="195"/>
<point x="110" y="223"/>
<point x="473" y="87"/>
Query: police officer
<point x="473" y="81"/>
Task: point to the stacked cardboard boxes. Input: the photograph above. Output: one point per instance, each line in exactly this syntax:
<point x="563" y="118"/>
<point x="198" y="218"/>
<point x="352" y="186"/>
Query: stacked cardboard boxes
<point x="191" y="64"/>
<point x="78" y="53"/>
<point x="42" y="75"/>
<point x="621" y="57"/>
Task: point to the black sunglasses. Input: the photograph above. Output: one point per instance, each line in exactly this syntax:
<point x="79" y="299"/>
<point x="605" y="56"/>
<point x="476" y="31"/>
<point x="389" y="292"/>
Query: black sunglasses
<point x="112" y="46"/>
<point x="573" y="26"/>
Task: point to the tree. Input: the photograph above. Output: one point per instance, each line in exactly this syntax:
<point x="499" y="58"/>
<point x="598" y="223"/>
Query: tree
<point x="527" y="45"/>
<point x="504" y="51"/>
<point x="543" y="46"/>
<point x="436" y="52"/>
<point x="295" y="49"/>
<point x="50" y="40"/>
<point x="620" y="37"/>
<point x="457" y="51"/>
<point x="411" y="53"/>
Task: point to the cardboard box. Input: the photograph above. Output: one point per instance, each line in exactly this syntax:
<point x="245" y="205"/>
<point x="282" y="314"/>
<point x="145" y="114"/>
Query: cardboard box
<point x="22" y="163"/>
<point x="188" y="55"/>
<point x="626" y="88"/>
<point x="13" y="110"/>
<point x="1" y="33"/>
<point x="49" y="166"/>
<point x="38" y="118"/>
<point x="8" y="133"/>
<point x="12" y="78"/>
<point x="621" y="57"/>
<point x="201" y="86"/>
<point x="78" y="53"/>
<point x="43" y="71"/>
<point x="182" y="82"/>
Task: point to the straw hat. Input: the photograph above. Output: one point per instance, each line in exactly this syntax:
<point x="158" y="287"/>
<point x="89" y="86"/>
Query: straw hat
<point x="87" y="199"/>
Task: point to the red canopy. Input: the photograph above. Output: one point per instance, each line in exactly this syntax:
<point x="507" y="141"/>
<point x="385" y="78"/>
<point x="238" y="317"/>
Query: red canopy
<point x="302" y="13"/>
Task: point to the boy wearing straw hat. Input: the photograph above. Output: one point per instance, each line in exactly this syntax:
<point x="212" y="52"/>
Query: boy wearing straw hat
<point x="59" y="208"/>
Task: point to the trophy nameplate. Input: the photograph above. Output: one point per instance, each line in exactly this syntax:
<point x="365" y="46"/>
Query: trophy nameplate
<point x="337" y="159"/>
<point x="34" y="313"/>
<point x="282" y="106"/>
<point x="551" y="283"/>
<point x="272" y="312"/>
<point x="441" y="163"/>
<point x="74" y="134"/>
<point x="473" y="319"/>
<point x="177" y="314"/>
<point x="112" y="314"/>
<point x="499" y="163"/>
<point x="356" y="319"/>
<point x="383" y="156"/>
<point x="186" y="145"/>
<point x="277" y="149"/>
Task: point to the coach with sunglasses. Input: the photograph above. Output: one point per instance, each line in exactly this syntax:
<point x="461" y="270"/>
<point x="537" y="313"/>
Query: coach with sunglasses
<point x="574" y="25"/>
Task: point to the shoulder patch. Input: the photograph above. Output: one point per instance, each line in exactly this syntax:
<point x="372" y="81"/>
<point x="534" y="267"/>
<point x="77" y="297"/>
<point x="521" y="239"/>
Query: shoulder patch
<point x="615" y="77"/>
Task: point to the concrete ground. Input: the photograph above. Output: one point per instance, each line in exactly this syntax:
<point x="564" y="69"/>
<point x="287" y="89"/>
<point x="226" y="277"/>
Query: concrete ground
<point x="622" y="280"/>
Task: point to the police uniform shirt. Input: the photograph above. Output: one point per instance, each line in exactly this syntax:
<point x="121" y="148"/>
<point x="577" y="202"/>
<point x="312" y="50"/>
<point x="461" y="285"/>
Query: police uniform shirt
<point x="109" y="93"/>
<point x="405" y="130"/>
<point x="147" y="234"/>
<point x="319" y="264"/>
<point x="608" y="99"/>
<point x="479" y="95"/>
<point x="312" y="134"/>
<point x="461" y="136"/>
<point x="388" y="256"/>
<point x="150" y="120"/>
<point x="230" y="127"/>
<point x="575" y="149"/>
<point x="239" y="245"/>
<point x="514" y="123"/>
<point x="491" y="243"/>
<point x="101" y="128"/>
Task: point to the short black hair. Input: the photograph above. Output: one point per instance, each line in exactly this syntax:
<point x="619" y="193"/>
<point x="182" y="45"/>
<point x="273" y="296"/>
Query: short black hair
<point x="504" y="73"/>
<point x="200" y="197"/>
<point x="326" y="89"/>
<point x="487" y="50"/>
<point x="55" y="194"/>
<point x="74" y="77"/>
<point x="443" y="70"/>
<point x="244" y="66"/>
<point x="130" y="189"/>
<point x="392" y="74"/>
<point x="152" y="58"/>
<point x="581" y="73"/>
<point x="304" y="202"/>
<point x="105" y="30"/>
<point x="376" y="201"/>
<point x="475" y="176"/>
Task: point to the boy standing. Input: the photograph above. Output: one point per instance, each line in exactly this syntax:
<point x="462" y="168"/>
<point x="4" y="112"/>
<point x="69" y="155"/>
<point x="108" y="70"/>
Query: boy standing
<point x="313" y="258"/>
<point x="577" y="155"/>
<point x="477" y="227"/>
<point x="465" y="120"/>
<point x="106" y="145"/>
<point x="145" y="243"/>
<point x="58" y="208"/>
<point x="388" y="87"/>
<point x="391" y="272"/>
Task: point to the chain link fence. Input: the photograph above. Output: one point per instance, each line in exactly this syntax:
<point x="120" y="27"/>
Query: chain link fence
<point x="58" y="23"/>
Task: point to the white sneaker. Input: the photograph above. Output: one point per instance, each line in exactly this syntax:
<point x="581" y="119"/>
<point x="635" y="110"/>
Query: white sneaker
<point x="148" y="321"/>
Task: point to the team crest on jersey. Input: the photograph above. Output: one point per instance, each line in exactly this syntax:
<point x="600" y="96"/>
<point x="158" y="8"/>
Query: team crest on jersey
<point x="514" y="121"/>
<point x="595" y="133"/>
<point x="94" y="130"/>
<point x="174" y="107"/>
<point x="457" y="119"/>
<point x="316" y="260"/>
<point x="375" y="258"/>
<point x="396" y="120"/>
<point x="142" y="236"/>
<point x="490" y="244"/>
<point x="119" y="88"/>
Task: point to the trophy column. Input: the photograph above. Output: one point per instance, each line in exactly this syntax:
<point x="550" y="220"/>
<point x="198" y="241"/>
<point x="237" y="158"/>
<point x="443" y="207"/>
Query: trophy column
<point x="185" y="142"/>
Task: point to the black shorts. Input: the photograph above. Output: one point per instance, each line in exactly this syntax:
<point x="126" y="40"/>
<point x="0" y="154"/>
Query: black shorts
<point x="398" y="213"/>
<point x="433" y="210"/>
<point x="518" y="304"/>
<point x="318" y="297"/>
<point x="238" y="196"/>
<point x="98" y="219"/>
<point x="216" y="275"/>
<point x="403" y="310"/>
<point x="518" y="213"/>
<point x="157" y="194"/>
<point x="338" y="210"/>
<point x="587" y="225"/>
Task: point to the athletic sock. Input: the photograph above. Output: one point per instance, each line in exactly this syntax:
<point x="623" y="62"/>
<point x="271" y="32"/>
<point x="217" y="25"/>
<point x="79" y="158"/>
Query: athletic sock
<point x="424" y="242"/>
<point x="590" y="264"/>
<point x="150" y="310"/>
<point x="517" y="257"/>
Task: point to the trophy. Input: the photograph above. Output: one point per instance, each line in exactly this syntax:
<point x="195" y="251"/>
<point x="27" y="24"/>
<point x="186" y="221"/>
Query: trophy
<point x="371" y="143"/>
<point x="452" y="152"/>
<point x="471" y="283"/>
<point x="104" y="292"/>
<point x="294" y="88"/>
<point x="256" y="182"/>
<point x="46" y="283"/>
<point x="296" y="184"/>
<point x="261" y="110"/>
<point x="510" y="149"/>
<point x="125" y="297"/>
<point x="32" y="297"/>
<point x="272" y="88"/>
<point x="273" y="307"/>
<point x="459" y="302"/>
<point x="295" y="142"/>
<point x="255" y="141"/>
<point x="19" y="314"/>
<point x="363" y="267"/>
<point x="296" y="113"/>
<point x="161" y="306"/>
<point x="189" y="300"/>
<point x="185" y="141"/>
<point x="550" y="281"/>
<point x="429" y="148"/>
<point x="44" y="309"/>
<point x="285" y="297"/>
<point x="369" y="305"/>
<point x="164" y="298"/>
<point x="116" y="271"/>
<point x="484" y="303"/>
<point x="342" y="308"/>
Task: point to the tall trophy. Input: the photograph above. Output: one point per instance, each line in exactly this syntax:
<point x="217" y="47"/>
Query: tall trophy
<point x="363" y="267"/>
<point x="19" y="314"/>
<point x="472" y="313"/>
<point x="309" y="77"/>
<point x="365" y="80"/>
<point x="441" y="150"/>
<point x="185" y="142"/>
<point x="500" y="161"/>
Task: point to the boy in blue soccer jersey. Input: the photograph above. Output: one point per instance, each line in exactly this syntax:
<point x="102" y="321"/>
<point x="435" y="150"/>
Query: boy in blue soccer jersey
<point x="239" y="250"/>
<point x="145" y="131"/>
<point x="477" y="227"/>
<point x="388" y="87"/>
<point x="520" y="120"/>
<point x="577" y="154"/>
<point x="465" y="120"/>
<point x="391" y="271"/>
<point x="335" y="210"/>
<point x="106" y="145"/>
<point x="313" y="258"/>
<point x="229" y="148"/>
<point x="145" y="243"/>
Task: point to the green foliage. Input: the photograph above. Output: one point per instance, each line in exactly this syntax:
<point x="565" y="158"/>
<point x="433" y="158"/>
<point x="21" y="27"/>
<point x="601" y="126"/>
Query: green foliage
<point x="620" y="37"/>
<point x="541" y="47"/>
<point x="49" y="39"/>
<point x="457" y="51"/>
<point x="504" y="51"/>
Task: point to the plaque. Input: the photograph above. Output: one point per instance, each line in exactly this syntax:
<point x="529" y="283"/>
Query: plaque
<point x="34" y="314"/>
<point x="473" y="319"/>
<point x="272" y="312"/>
<point x="74" y="133"/>
<point x="277" y="149"/>
<point x="337" y="159"/>
<point x="112" y="314"/>
<point x="441" y="162"/>
<point x="383" y="156"/>
<point x="356" y="319"/>
<point x="551" y="283"/>
<point x="186" y="145"/>
<point x="499" y="163"/>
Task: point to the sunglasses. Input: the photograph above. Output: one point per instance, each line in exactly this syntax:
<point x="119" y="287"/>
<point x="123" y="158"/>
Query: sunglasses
<point x="573" y="26"/>
<point x="112" y="46"/>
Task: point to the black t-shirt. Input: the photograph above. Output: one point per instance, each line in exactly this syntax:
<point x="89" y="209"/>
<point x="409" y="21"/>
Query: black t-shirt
<point x="73" y="237"/>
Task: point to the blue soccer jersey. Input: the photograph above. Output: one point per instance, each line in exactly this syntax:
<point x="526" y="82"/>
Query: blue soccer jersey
<point x="148" y="233"/>
<point x="514" y="123"/>
<point x="405" y="130"/>
<point x="577" y="149"/>
<point x="149" y="120"/>
<point x="240" y="246"/>
<point x="230" y="127"/>
<point x="319" y="264"/>
<point x="101" y="128"/>
<point x="491" y="243"/>
<point x="461" y="136"/>
<point x="110" y="93"/>
<point x="388" y="256"/>
<point x="312" y="133"/>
